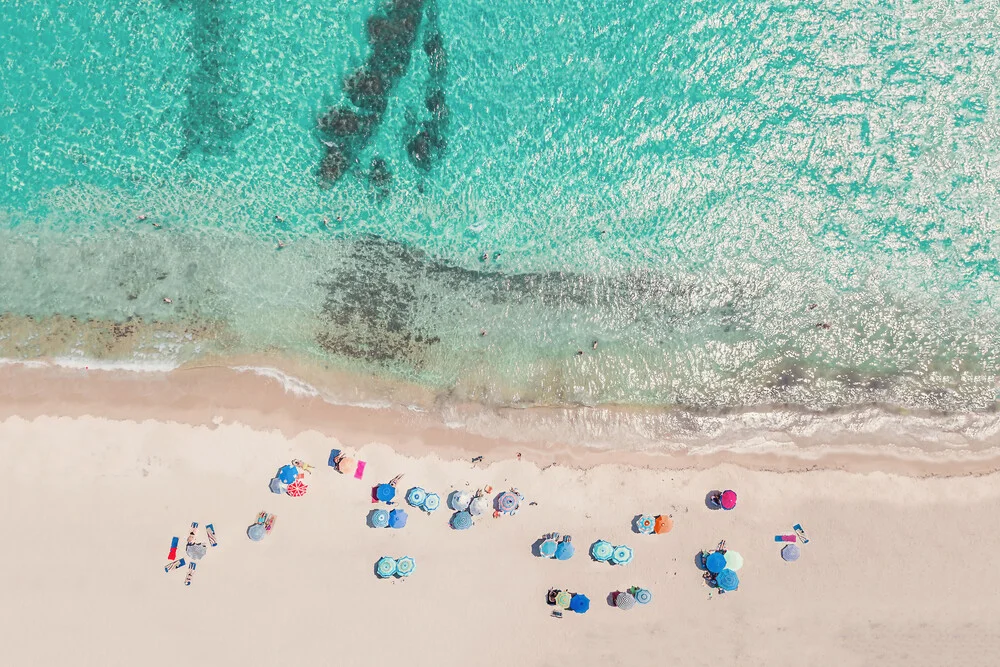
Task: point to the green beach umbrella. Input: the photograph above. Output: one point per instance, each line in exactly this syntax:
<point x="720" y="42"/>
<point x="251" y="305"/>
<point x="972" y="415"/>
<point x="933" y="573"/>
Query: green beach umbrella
<point x="386" y="567"/>
<point x="405" y="566"/>
<point x="601" y="550"/>
<point x="564" y="599"/>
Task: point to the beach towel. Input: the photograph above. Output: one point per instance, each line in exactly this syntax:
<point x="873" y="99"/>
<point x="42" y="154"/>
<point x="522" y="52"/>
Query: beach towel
<point x="784" y="538"/>
<point x="172" y="554"/>
<point x="359" y="473"/>
<point x="334" y="453"/>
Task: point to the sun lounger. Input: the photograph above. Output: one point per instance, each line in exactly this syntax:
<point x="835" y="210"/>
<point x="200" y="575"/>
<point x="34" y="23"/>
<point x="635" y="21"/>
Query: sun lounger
<point x="174" y="565"/>
<point x="191" y="567"/>
<point x="210" y="531"/>
<point x="172" y="554"/>
<point x="801" y="533"/>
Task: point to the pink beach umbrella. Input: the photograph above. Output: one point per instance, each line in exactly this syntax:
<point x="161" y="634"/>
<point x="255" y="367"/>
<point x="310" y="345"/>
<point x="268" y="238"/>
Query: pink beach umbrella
<point x="296" y="489"/>
<point x="728" y="499"/>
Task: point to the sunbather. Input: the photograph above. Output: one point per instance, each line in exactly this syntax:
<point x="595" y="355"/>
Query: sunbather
<point x="551" y="597"/>
<point x="269" y="523"/>
<point x="194" y="531"/>
<point x="395" y="480"/>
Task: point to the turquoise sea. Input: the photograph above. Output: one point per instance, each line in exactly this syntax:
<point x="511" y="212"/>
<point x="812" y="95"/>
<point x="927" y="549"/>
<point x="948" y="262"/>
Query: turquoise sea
<point x="743" y="203"/>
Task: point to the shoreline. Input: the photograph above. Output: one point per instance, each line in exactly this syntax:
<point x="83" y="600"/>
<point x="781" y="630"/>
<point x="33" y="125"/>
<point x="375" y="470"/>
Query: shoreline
<point x="266" y="398"/>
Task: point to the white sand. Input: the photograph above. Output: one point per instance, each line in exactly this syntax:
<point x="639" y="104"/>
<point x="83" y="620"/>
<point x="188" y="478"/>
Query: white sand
<point x="899" y="569"/>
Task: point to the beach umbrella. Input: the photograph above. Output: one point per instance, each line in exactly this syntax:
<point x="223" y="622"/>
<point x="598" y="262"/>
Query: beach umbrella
<point x="507" y="502"/>
<point x="580" y="604"/>
<point x="716" y="562"/>
<point x="256" y="532"/>
<point x="397" y="518"/>
<point x="727" y="580"/>
<point x="643" y="596"/>
<point x="432" y="502"/>
<point x="548" y="548"/>
<point x="288" y="474"/>
<point x="379" y="519"/>
<point x="461" y="521"/>
<point x="565" y="551"/>
<point x="790" y="552"/>
<point x="734" y="560"/>
<point x="297" y="489"/>
<point x="386" y="567"/>
<point x="645" y="524"/>
<point x="196" y="551"/>
<point x="459" y="500"/>
<point x="347" y="466"/>
<point x="663" y="524"/>
<point x="405" y="566"/>
<point x="624" y="601"/>
<point x="416" y="496"/>
<point x="601" y="550"/>
<point x="385" y="492"/>
<point x="564" y="599"/>
<point x="276" y="486"/>
<point x="479" y="505"/>
<point x="622" y="555"/>
<point x="728" y="499"/>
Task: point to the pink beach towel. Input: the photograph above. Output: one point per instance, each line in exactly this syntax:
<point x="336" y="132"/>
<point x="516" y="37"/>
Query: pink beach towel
<point x="359" y="473"/>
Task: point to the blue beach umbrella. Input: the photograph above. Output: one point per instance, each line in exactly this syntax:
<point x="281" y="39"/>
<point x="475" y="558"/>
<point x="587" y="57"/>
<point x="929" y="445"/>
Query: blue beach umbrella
<point x="416" y="496"/>
<point x="379" y="518"/>
<point x="397" y="519"/>
<point x="288" y="474"/>
<point x="645" y="524"/>
<point x="386" y="567"/>
<point x="507" y="502"/>
<point x="432" y="502"/>
<point x="548" y="548"/>
<point x="716" y="562"/>
<point x="385" y="492"/>
<point x="790" y="552"/>
<point x="256" y="532"/>
<point x="580" y="604"/>
<point x="601" y="550"/>
<point x="565" y="551"/>
<point x="622" y="555"/>
<point x="643" y="596"/>
<point x="405" y="566"/>
<point x="727" y="580"/>
<point x="461" y="521"/>
<point x="459" y="500"/>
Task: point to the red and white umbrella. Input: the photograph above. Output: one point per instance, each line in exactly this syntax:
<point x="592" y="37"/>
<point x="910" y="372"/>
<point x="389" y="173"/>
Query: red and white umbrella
<point x="297" y="488"/>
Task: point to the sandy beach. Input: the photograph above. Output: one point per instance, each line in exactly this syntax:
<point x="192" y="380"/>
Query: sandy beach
<point x="93" y="502"/>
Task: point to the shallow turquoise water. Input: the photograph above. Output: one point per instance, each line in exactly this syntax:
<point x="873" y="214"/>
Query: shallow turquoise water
<point x="679" y="182"/>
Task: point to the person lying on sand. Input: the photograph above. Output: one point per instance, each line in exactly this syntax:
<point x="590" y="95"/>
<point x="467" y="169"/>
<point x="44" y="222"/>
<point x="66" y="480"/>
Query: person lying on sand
<point x="395" y="480"/>
<point x="304" y="466"/>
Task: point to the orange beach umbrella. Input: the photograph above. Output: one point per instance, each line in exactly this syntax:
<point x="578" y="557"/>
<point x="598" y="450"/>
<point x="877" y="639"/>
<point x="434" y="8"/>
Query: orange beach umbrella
<point x="663" y="524"/>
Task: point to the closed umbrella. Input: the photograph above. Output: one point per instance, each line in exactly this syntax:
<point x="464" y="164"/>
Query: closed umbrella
<point x="622" y="555"/>
<point x="716" y="562"/>
<point x="727" y="580"/>
<point x="386" y="567"/>
<point x="734" y="561"/>
<point x="548" y="548"/>
<point x="479" y="505"/>
<point x="459" y="500"/>
<point x="624" y="601"/>
<point x="256" y="532"/>
<point x="643" y="596"/>
<point x="790" y="552"/>
<point x="385" y="492"/>
<point x="564" y="599"/>
<point x="507" y="502"/>
<point x="288" y="474"/>
<point x="565" y="551"/>
<point x="580" y="604"/>
<point x="297" y="489"/>
<point x="601" y="550"/>
<point x="405" y="566"/>
<point x="397" y="518"/>
<point x="461" y="521"/>
<point x="379" y="519"/>
<point x="645" y="524"/>
<point x="728" y="499"/>
<point x="663" y="524"/>
<point x="416" y="496"/>
<point x="432" y="502"/>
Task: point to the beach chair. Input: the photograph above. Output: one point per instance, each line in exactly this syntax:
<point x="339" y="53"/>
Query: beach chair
<point x="191" y="568"/>
<point x="801" y="533"/>
<point x="210" y="532"/>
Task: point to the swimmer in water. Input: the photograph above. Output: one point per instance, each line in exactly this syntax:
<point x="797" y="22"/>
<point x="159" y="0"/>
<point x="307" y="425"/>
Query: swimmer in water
<point x="594" y="346"/>
<point x="142" y="217"/>
<point x="166" y="299"/>
<point x="278" y="218"/>
<point x="281" y="244"/>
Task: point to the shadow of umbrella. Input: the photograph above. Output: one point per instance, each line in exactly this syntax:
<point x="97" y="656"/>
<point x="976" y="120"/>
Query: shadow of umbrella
<point x="611" y="598"/>
<point x="699" y="561"/>
<point x="536" y="547"/>
<point x="635" y="524"/>
<point x="711" y="504"/>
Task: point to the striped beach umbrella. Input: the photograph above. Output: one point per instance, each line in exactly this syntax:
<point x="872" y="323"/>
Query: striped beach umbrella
<point x="405" y="566"/>
<point x="386" y="567"/>
<point x="601" y="550"/>
<point x="716" y="562"/>
<point x="645" y="524"/>
<point x="642" y="596"/>
<point x="565" y="550"/>
<point x="548" y="548"/>
<point x="416" y="496"/>
<point x="432" y="502"/>
<point x="622" y="555"/>
<point x="727" y="580"/>
<point x="507" y="502"/>
<point x="564" y="599"/>
<point x="624" y="601"/>
<point x="379" y="519"/>
<point x="296" y="489"/>
<point x="790" y="552"/>
<point x="461" y="521"/>
<point x="734" y="561"/>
